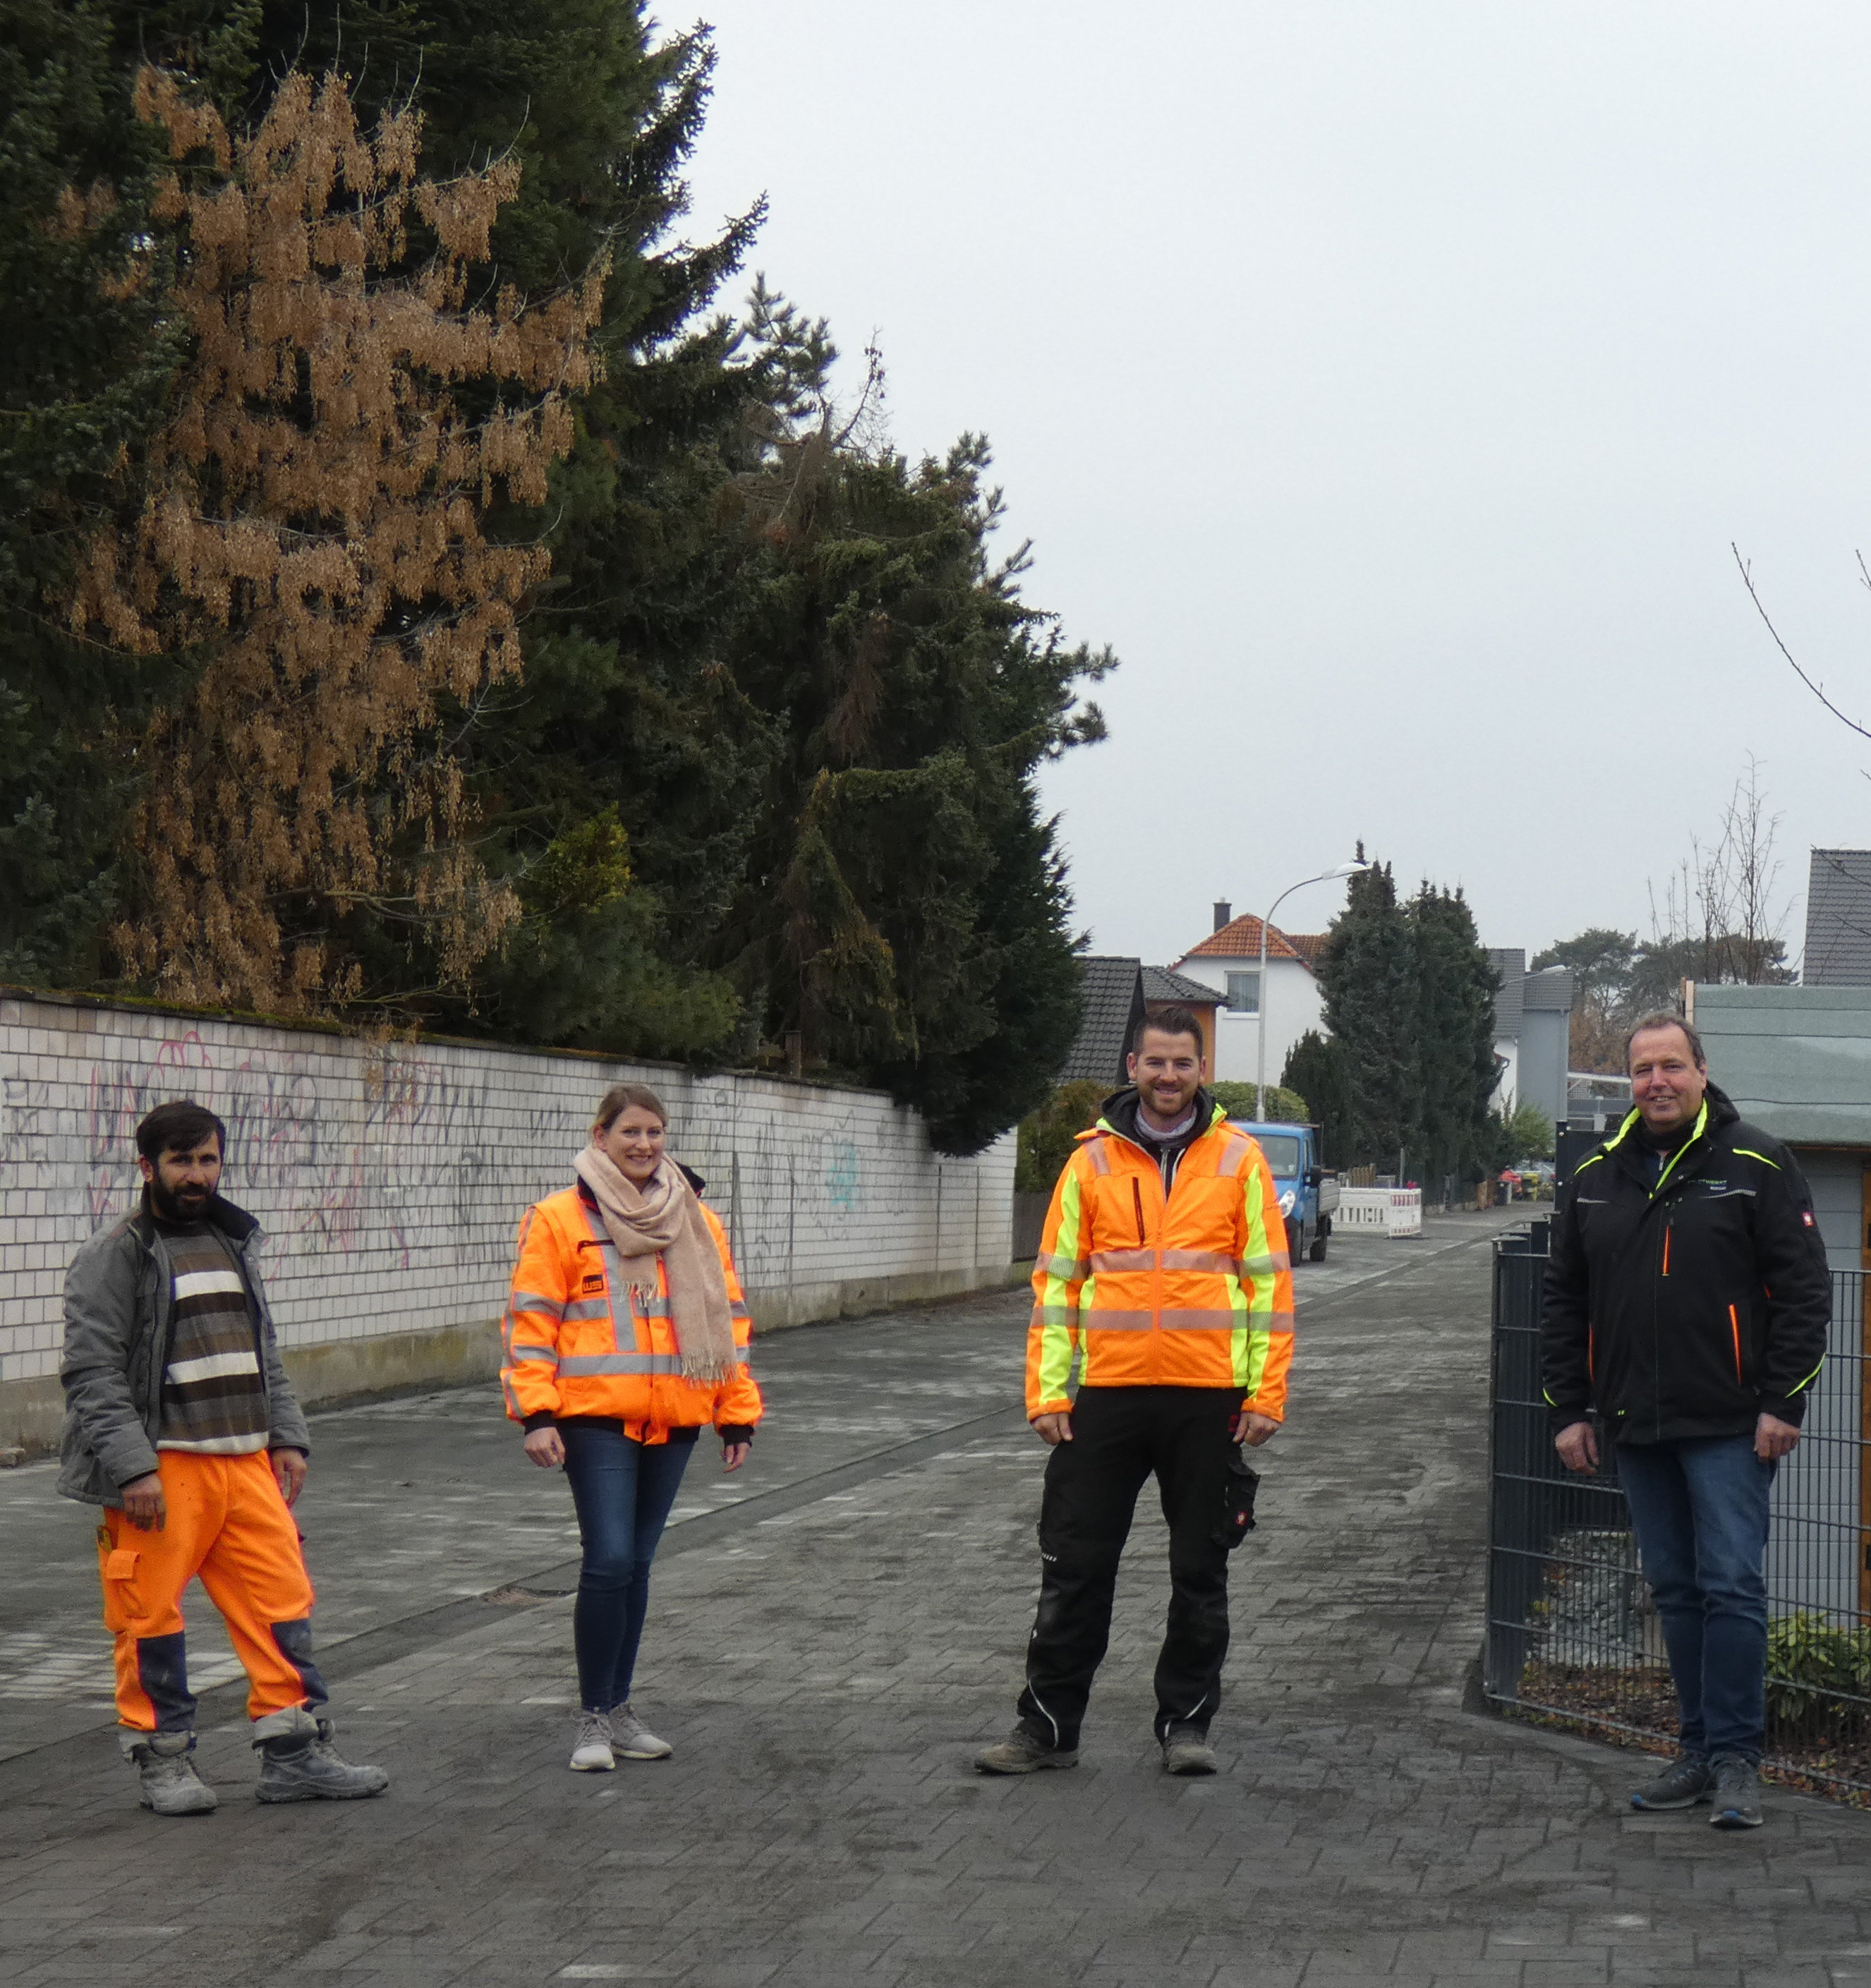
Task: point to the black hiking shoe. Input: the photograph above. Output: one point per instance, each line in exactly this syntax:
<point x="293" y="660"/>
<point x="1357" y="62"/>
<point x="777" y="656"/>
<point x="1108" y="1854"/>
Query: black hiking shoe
<point x="1186" y="1751"/>
<point x="1686" y="1781"/>
<point x="1736" y="1794"/>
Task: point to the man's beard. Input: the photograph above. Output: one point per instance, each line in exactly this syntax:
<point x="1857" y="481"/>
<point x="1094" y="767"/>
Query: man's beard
<point x="171" y="1207"/>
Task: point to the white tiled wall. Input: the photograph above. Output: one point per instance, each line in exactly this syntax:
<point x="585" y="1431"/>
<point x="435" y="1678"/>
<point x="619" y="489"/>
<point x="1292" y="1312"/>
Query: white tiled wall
<point x="388" y="1178"/>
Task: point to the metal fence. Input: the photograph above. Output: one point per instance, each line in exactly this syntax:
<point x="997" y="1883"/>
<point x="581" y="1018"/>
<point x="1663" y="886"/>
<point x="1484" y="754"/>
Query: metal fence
<point x="1572" y="1632"/>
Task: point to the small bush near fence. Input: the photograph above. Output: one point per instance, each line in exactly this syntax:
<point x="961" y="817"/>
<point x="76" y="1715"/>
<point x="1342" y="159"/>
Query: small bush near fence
<point x="1047" y="1137"/>
<point x="1283" y="1106"/>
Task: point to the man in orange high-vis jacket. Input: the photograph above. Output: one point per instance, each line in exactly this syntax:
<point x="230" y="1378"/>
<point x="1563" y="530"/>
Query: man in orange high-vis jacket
<point x="1163" y="1268"/>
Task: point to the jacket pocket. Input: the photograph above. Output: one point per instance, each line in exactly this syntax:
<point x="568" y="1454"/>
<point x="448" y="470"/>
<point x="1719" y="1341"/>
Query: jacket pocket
<point x="1735" y="1334"/>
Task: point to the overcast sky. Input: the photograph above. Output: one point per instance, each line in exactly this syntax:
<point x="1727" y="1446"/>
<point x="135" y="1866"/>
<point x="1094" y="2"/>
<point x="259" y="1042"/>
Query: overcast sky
<point x="1386" y="383"/>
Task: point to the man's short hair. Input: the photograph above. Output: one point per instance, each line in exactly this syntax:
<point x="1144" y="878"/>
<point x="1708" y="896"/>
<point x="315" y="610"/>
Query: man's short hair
<point x="1170" y="1019"/>
<point x="179" y="1127"/>
<point x="1665" y="1018"/>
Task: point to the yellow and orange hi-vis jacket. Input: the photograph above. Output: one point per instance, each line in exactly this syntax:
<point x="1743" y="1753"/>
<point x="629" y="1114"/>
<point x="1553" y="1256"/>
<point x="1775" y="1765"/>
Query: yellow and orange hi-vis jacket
<point x="1194" y="1289"/>
<point x="581" y="1339"/>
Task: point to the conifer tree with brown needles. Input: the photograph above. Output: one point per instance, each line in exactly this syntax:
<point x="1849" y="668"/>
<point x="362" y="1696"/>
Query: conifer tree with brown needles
<point x="316" y="529"/>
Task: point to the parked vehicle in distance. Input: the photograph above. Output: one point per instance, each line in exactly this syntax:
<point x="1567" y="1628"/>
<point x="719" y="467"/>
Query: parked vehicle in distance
<point x="1309" y="1194"/>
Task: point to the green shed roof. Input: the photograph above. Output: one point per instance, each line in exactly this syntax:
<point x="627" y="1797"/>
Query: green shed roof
<point x="1796" y="1061"/>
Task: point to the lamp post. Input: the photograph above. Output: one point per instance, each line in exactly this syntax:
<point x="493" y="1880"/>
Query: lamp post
<point x="1327" y="877"/>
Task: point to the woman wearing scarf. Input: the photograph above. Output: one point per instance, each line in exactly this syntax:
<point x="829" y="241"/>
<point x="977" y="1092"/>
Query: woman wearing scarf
<point x="625" y="1333"/>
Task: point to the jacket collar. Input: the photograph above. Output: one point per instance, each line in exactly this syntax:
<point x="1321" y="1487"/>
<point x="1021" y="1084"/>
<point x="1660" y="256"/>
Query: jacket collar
<point x="235" y="1223"/>
<point x="1119" y="1115"/>
<point x="1718" y="1112"/>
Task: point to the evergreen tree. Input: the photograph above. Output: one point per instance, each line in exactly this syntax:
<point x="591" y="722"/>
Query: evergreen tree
<point x="1368" y="972"/>
<point x="1456" y="985"/>
<point x="84" y="369"/>
<point x="903" y="911"/>
<point x="610" y="778"/>
<point x="1316" y="1070"/>
<point x="766" y="768"/>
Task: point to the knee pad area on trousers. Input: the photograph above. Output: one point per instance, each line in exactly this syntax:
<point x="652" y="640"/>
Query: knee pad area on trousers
<point x="162" y="1670"/>
<point x="1066" y="1556"/>
<point x="293" y="1640"/>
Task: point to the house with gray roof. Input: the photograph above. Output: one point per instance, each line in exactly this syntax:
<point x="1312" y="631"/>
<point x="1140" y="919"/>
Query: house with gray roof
<point x="1797" y="1062"/>
<point x="1119" y="992"/>
<point x="1838" y="919"/>
<point x="1533" y="1027"/>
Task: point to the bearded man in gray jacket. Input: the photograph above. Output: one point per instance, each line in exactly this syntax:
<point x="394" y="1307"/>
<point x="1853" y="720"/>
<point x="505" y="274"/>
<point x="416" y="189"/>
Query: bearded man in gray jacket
<point x="180" y="1424"/>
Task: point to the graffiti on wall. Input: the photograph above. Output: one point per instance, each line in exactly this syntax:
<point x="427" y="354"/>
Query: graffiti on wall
<point x="389" y="1177"/>
<point x="328" y="1175"/>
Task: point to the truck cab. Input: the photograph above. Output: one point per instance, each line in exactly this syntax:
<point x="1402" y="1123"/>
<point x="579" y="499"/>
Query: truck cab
<point x="1309" y="1194"/>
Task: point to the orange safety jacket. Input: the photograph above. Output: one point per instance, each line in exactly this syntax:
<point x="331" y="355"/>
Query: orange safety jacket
<point x="1190" y="1289"/>
<point x="582" y="1339"/>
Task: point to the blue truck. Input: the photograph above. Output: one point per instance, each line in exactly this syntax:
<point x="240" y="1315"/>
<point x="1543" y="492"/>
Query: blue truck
<point x="1309" y="1194"/>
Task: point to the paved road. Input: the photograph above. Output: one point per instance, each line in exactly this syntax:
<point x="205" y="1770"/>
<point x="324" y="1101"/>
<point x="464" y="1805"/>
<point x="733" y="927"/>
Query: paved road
<point x="828" y="1654"/>
<point x="416" y="1503"/>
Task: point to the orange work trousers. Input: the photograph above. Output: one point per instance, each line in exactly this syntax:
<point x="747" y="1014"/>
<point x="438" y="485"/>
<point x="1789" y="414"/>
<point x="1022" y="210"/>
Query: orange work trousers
<point x="226" y="1521"/>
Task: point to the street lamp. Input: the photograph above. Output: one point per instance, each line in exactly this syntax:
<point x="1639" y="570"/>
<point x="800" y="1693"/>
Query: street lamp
<point x="1344" y="870"/>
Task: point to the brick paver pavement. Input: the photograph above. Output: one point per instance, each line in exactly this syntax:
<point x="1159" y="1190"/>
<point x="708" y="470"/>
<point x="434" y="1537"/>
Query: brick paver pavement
<point x="827" y="1656"/>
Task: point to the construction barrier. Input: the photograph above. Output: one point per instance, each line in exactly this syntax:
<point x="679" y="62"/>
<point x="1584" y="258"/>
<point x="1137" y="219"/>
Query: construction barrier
<point x="1397" y="1211"/>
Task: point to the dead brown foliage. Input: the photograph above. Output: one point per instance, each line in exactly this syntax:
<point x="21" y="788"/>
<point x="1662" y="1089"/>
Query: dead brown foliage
<point x="314" y="526"/>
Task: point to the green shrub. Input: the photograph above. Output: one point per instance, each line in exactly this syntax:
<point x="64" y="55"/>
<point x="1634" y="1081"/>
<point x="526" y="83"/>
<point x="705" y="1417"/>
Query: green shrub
<point x="1808" y="1659"/>
<point x="1285" y="1107"/>
<point x="1046" y="1136"/>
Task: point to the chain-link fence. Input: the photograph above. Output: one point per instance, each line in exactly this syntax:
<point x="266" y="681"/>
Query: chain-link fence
<point x="1571" y="1632"/>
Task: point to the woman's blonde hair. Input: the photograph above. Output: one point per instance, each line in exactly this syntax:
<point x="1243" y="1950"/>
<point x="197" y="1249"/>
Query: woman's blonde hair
<point x="621" y="1097"/>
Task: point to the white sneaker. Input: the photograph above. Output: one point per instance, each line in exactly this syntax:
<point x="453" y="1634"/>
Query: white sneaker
<point x="633" y="1739"/>
<point x="592" y="1754"/>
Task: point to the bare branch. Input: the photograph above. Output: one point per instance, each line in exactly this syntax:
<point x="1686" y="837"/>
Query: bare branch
<point x="1817" y="689"/>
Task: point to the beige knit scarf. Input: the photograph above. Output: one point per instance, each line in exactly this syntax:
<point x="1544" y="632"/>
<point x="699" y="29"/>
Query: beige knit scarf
<point x="664" y="1218"/>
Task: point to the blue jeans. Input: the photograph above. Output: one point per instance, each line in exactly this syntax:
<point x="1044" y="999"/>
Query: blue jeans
<point x="1700" y="1511"/>
<point x="622" y="1491"/>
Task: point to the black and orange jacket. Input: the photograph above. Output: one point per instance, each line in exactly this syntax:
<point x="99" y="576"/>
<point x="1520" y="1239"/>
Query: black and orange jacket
<point x="1690" y="1306"/>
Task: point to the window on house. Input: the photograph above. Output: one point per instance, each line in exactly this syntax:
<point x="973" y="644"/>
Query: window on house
<point x="1243" y="993"/>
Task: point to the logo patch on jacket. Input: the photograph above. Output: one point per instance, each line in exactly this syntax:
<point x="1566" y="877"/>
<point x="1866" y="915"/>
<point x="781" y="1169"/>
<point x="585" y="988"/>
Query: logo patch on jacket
<point x="594" y="1281"/>
<point x="1805" y="1215"/>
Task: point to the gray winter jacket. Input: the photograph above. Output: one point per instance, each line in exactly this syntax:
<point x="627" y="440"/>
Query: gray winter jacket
<point x="116" y="1344"/>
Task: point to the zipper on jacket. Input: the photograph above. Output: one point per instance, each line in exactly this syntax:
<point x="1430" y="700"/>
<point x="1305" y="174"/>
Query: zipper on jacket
<point x="1666" y="1228"/>
<point x="1734" y="1326"/>
<point x="1137" y="1201"/>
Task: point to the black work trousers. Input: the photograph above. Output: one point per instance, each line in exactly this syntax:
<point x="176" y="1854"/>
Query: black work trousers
<point x="1119" y="1436"/>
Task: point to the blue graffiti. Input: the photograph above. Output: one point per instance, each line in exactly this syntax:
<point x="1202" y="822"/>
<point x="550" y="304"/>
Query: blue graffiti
<point x="841" y="1176"/>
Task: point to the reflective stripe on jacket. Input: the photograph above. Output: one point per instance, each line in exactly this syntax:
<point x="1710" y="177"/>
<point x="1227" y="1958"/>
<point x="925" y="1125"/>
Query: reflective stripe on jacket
<point x="584" y="1333"/>
<point x="1193" y="1289"/>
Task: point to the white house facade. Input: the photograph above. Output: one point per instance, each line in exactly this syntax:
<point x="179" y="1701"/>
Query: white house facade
<point x="1228" y="961"/>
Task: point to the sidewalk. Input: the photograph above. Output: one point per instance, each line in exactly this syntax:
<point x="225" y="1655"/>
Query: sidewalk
<point x="828" y="1653"/>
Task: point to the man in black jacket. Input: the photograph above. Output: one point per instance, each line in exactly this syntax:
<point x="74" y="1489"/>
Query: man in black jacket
<point x="1688" y="1300"/>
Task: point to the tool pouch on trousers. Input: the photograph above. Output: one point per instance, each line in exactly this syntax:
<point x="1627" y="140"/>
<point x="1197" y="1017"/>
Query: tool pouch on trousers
<point x="1238" y="1488"/>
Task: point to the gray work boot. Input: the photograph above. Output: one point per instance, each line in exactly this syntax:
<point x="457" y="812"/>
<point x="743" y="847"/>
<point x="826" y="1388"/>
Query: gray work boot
<point x="591" y="1751"/>
<point x="1686" y="1781"/>
<point x="1186" y="1751"/>
<point x="1737" y="1794"/>
<point x="1021" y="1753"/>
<point x="632" y="1739"/>
<point x="298" y="1763"/>
<point x="168" y="1781"/>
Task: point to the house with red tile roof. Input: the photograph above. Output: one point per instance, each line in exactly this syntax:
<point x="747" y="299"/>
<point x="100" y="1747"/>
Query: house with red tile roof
<point x="1228" y="961"/>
